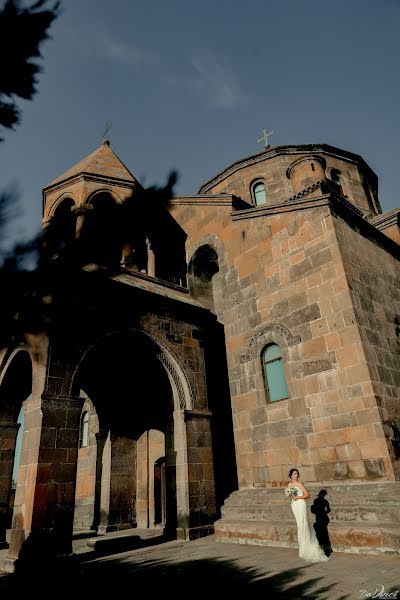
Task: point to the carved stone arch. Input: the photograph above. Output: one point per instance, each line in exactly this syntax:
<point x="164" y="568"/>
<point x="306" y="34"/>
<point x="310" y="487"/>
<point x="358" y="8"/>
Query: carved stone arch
<point x="264" y="334"/>
<point x="53" y="206"/>
<point x="176" y="374"/>
<point x="104" y="190"/>
<point x="9" y="356"/>
<point x="16" y="381"/>
<point x="214" y="242"/>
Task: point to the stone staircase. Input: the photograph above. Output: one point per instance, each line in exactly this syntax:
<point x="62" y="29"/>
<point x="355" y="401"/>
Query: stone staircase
<point x="364" y="517"/>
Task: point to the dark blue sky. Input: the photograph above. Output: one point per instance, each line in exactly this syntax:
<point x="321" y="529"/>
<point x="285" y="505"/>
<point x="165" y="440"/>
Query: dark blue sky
<point x="190" y="85"/>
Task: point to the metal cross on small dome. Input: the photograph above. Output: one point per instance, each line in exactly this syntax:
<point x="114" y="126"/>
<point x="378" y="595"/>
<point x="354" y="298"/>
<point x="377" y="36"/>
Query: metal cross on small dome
<point x="265" y="138"/>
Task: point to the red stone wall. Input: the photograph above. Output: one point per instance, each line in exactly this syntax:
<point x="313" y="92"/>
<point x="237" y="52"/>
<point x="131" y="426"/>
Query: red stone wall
<point x="285" y="269"/>
<point x="373" y="275"/>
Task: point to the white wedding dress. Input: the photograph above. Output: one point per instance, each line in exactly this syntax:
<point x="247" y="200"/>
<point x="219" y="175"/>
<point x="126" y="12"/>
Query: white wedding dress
<point x="309" y="548"/>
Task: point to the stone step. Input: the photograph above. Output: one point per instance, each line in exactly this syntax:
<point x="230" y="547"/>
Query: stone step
<point x="372" y="512"/>
<point x="362" y="518"/>
<point x="344" y="537"/>
<point x="335" y="497"/>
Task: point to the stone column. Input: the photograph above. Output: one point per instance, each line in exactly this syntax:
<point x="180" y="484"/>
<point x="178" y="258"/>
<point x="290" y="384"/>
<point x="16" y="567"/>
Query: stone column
<point x="46" y="236"/>
<point x="8" y="436"/>
<point x="101" y="438"/>
<point x="202" y="508"/>
<point x="143" y="483"/>
<point x="151" y="259"/>
<point x="105" y="458"/>
<point x="81" y="213"/>
<point x="118" y="484"/>
<point x="43" y="520"/>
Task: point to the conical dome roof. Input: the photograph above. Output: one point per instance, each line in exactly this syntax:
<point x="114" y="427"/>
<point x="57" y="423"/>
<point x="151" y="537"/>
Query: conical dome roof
<point x="102" y="161"/>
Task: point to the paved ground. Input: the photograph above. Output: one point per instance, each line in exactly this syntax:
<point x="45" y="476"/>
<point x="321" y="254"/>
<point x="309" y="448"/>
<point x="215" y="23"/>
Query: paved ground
<point x="196" y="569"/>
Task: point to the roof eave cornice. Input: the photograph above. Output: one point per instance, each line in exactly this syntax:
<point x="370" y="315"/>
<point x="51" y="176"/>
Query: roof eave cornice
<point x="275" y="151"/>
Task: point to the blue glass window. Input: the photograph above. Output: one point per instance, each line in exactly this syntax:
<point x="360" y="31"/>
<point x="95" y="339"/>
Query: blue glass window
<point x="275" y="372"/>
<point x="259" y="194"/>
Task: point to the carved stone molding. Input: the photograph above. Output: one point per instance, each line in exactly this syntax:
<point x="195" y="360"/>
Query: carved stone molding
<point x="186" y="395"/>
<point x="264" y="335"/>
<point x="170" y="362"/>
<point x="62" y="402"/>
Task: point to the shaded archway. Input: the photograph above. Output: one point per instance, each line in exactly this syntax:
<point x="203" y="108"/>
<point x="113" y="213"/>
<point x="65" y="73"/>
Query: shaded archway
<point x="201" y="275"/>
<point x="133" y="395"/>
<point x="59" y="233"/>
<point x="101" y="241"/>
<point x="15" y="388"/>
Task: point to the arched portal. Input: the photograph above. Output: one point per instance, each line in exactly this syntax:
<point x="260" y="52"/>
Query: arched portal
<point x="138" y="403"/>
<point x="15" y="388"/>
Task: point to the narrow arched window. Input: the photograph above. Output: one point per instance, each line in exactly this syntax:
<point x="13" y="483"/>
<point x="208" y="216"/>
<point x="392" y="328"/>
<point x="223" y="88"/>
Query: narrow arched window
<point x="84" y="433"/>
<point x="259" y="193"/>
<point x="337" y="180"/>
<point x="274" y="372"/>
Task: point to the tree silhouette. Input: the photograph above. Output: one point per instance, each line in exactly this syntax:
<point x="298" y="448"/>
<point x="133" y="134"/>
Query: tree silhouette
<point x="22" y="30"/>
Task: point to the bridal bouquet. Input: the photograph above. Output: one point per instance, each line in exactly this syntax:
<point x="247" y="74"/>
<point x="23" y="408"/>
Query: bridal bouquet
<point x="291" y="491"/>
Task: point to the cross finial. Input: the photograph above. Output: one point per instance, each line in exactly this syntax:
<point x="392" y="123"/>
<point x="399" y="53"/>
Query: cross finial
<point x="105" y="134"/>
<point x="265" y="138"/>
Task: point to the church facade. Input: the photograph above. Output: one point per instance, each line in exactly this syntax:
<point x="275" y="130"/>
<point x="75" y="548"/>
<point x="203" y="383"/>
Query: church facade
<point x="205" y="346"/>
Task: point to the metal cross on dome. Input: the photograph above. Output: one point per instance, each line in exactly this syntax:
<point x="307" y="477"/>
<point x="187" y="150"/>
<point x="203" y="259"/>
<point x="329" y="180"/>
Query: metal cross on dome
<point x="265" y="138"/>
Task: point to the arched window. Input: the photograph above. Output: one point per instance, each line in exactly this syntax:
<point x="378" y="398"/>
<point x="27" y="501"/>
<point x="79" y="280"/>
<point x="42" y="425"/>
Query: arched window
<point x="202" y="269"/>
<point x="259" y="193"/>
<point x="84" y="433"/>
<point x="274" y="372"/>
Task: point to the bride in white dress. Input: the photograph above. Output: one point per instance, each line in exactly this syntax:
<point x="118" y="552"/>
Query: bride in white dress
<point x="309" y="548"/>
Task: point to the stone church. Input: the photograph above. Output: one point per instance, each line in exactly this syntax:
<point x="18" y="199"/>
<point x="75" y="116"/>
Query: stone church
<point x="204" y="346"/>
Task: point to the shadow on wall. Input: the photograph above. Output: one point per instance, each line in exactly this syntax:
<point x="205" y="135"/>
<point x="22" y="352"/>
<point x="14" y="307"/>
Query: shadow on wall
<point x="320" y="508"/>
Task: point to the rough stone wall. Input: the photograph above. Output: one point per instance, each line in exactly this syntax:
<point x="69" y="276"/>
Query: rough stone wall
<point x="282" y="277"/>
<point x="180" y="338"/>
<point x="123" y="481"/>
<point x="374" y="279"/>
<point x="273" y="171"/>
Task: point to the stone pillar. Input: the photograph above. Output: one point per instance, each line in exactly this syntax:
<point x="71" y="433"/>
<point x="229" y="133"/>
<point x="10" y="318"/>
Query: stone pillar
<point x="151" y="259"/>
<point x="119" y="472"/>
<point x="176" y="484"/>
<point x="8" y="436"/>
<point x="105" y="458"/>
<point x="81" y="213"/>
<point x="46" y="236"/>
<point x="101" y="438"/>
<point x="143" y="481"/>
<point x="43" y="519"/>
<point x="202" y="507"/>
